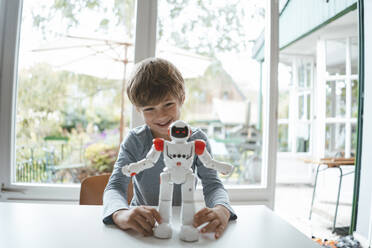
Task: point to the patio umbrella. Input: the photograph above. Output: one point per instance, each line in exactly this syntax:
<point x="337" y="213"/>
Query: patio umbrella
<point x="109" y="59"/>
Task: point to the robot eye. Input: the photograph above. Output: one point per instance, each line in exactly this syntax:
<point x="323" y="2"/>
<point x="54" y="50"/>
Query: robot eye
<point x="177" y="131"/>
<point x="183" y="131"/>
<point x="179" y="155"/>
<point x="183" y="155"/>
<point x="174" y="155"/>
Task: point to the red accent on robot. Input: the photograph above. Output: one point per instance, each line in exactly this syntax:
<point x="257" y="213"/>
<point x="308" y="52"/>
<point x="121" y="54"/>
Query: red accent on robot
<point x="133" y="174"/>
<point x="199" y="147"/>
<point x="159" y="144"/>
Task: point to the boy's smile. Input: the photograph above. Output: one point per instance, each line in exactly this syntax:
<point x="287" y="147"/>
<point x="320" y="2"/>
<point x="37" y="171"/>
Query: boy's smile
<point x="158" y="117"/>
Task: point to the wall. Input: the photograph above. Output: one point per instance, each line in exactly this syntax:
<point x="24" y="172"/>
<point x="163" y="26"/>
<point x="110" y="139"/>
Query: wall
<point x="365" y="193"/>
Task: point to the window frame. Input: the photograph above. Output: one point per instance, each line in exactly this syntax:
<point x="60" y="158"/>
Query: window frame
<point x="347" y="120"/>
<point x="145" y="41"/>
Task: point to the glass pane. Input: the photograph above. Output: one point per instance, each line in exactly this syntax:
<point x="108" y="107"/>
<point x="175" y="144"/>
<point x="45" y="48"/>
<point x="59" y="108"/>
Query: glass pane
<point x="301" y="107"/>
<point x="302" y="137"/>
<point x="336" y="57"/>
<point x="283" y="104"/>
<point x="354" y="55"/>
<point x="71" y="64"/>
<point x="309" y="77"/>
<point x="308" y="106"/>
<point x="354" y="98"/>
<point x="215" y="61"/>
<point x="283" y="141"/>
<point x="335" y="139"/>
<point x="354" y="136"/>
<point x="335" y="98"/>
<point x="301" y="75"/>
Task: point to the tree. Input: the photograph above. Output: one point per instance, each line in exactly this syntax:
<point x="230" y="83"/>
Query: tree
<point x="216" y="25"/>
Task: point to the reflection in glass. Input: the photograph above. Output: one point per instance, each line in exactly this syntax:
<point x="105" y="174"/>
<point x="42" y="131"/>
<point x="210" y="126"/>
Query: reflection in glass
<point x="334" y="139"/>
<point x="308" y="75"/>
<point x="283" y="141"/>
<point x="301" y="75"/>
<point x="335" y="98"/>
<point x="283" y="104"/>
<point x="301" y="105"/>
<point x="308" y="106"/>
<point x="354" y="98"/>
<point x="69" y="88"/>
<point x="303" y="137"/>
<point x="336" y="57"/>
<point x="354" y="135"/>
<point x="215" y="61"/>
<point x="354" y="55"/>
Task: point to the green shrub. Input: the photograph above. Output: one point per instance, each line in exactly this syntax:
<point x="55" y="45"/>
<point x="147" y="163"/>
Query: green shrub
<point x="101" y="156"/>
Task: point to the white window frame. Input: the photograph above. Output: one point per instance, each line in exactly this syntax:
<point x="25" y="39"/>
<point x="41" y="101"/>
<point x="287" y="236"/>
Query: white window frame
<point x="323" y="120"/>
<point x="293" y="117"/>
<point x="145" y="41"/>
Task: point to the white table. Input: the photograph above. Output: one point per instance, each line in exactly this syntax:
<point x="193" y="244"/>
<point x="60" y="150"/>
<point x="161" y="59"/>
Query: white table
<point x="26" y="225"/>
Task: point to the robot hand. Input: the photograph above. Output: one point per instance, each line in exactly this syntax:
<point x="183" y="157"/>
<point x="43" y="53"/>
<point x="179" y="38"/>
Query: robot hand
<point x="148" y="162"/>
<point x="224" y="168"/>
<point x="135" y="168"/>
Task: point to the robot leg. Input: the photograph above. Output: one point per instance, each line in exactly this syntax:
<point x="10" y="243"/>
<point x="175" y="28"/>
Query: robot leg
<point x="164" y="230"/>
<point x="188" y="231"/>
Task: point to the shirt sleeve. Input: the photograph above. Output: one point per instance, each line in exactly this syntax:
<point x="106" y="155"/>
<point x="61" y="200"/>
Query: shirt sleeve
<point x="115" y="194"/>
<point x="213" y="189"/>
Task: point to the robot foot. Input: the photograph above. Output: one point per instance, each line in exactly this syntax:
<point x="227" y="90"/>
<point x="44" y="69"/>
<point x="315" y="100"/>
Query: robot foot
<point x="163" y="231"/>
<point x="189" y="233"/>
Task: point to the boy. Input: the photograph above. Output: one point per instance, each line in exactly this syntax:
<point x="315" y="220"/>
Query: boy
<point x="157" y="90"/>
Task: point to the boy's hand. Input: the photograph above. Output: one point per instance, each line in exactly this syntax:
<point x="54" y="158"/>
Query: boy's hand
<point x="141" y="219"/>
<point x="218" y="218"/>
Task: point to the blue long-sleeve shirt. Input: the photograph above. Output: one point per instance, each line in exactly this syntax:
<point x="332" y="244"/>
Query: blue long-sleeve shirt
<point x="146" y="183"/>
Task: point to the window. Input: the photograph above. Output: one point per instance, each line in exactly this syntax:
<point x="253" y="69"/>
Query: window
<point x="70" y="77"/>
<point x="336" y="57"/>
<point x="220" y="76"/>
<point x="303" y="88"/>
<point x="285" y="82"/>
<point x="65" y="21"/>
<point x="341" y="97"/>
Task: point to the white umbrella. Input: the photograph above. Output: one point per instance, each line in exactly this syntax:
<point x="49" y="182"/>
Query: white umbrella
<point x="105" y="58"/>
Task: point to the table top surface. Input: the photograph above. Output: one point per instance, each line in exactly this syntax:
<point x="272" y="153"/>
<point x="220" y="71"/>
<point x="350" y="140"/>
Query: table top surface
<point x="31" y="225"/>
<point x="332" y="162"/>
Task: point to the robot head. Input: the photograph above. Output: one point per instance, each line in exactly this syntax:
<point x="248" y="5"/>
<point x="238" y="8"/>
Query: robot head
<point x="179" y="131"/>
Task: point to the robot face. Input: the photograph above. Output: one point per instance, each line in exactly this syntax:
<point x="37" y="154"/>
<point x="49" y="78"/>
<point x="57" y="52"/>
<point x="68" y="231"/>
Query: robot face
<point x="179" y="131"/>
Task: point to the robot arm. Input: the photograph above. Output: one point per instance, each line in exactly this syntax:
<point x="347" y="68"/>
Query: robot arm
<point x="146" y="163"/>
<point x="209" y="162"/>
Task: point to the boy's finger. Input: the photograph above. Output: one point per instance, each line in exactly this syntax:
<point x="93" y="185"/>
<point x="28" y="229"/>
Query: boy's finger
<point x="203" y="219"/>
<point x="219" y="230"/>
<point x="156" y="215"/>
<point x="211" y="227"/>
<point x="148" y="217"/>
<point x="202" y="212"/>
<point x="144" y="224"/>
<point x="138" y="228"/>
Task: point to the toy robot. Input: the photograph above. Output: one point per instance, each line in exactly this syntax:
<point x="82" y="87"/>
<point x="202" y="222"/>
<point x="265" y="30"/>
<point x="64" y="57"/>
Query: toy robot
<point x="178" y="159"/>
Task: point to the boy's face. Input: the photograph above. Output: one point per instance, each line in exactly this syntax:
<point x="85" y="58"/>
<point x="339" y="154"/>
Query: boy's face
<point x="158" y="117"/>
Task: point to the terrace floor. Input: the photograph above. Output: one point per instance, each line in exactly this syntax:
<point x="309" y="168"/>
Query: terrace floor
<point x="292" y="203"/>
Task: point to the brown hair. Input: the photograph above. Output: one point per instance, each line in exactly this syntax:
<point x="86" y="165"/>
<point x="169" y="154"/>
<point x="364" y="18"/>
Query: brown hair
<point x="154" y="79"/>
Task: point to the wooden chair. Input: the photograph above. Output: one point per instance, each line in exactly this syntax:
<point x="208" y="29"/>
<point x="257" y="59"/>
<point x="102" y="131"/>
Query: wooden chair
<point x="91" y="191"/>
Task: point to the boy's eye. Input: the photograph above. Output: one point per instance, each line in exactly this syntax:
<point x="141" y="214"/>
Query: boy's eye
<point x="169" y="104"/>
<point x="148" y="109"/>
